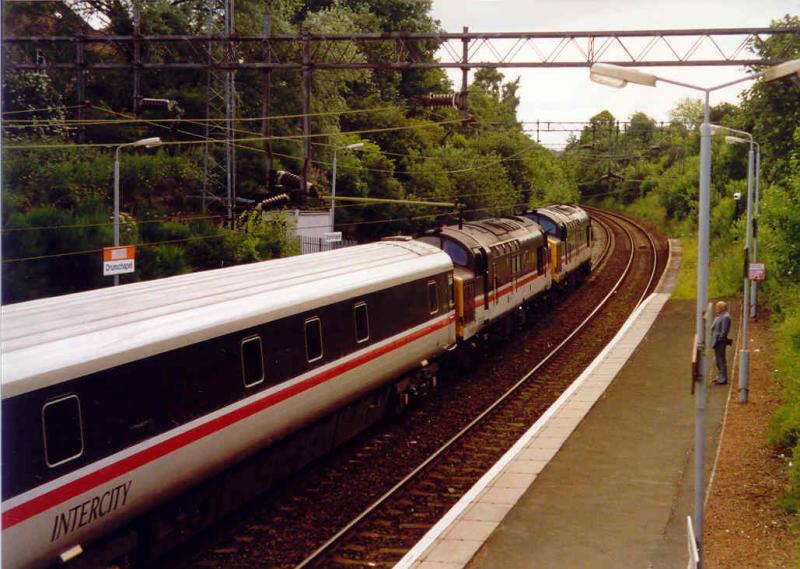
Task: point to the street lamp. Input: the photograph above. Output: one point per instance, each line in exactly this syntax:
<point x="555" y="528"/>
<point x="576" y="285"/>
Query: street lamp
<point x="333" y="181"/>
<point x="744" y="353"/>
<point x="618" y="76"/>
<point x="146" y="142"/>
<point x="754" y="224"/>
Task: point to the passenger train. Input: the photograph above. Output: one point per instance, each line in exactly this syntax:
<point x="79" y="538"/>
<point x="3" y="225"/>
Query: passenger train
<point x="116" y="400"/>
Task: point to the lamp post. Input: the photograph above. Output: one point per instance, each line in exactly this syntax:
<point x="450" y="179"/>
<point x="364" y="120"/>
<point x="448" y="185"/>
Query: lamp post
<point x="744" y="353"/>
<point x="146" y="142"/>
<point x="618" y="76"/>
<point x="333" y="180"/>
<point x="754" y="256"/>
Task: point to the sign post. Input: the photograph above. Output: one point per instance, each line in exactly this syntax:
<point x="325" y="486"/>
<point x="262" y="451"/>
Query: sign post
<point x="118" y="260"/>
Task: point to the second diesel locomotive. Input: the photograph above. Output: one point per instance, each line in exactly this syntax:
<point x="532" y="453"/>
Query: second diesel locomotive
<point x="503" y="263"/>
<point x="116" y="400"/>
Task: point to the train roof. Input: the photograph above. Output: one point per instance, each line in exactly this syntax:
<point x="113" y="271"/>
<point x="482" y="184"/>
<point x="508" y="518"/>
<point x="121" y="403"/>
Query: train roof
<point x="562" y="213"/>
<point x="488" y="232"/>
<point x="55" y="339"/>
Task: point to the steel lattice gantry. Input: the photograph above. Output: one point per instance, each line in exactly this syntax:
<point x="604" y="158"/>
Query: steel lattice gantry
<point x="695" y="47"/>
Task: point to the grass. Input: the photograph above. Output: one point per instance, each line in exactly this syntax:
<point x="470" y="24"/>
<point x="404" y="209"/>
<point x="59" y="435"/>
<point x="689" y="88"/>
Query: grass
<point x="724" y="273"/>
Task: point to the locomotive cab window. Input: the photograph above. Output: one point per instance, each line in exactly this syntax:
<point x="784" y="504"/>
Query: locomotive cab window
<point x="362" y="322"/>
<point x="313" y="339"/>
<point x="252" y="361"/>
<point x="458" y="254"/>
<point x="63" y="432"/>
<point x="433" y="297"/>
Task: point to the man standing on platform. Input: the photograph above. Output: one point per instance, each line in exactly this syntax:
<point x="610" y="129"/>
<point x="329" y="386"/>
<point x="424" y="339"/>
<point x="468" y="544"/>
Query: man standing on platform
<point x="720" y="341"/>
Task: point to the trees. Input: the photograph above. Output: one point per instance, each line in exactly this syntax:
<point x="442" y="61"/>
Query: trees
<point x="688" y="113"/>
<point x="441" y="154"/>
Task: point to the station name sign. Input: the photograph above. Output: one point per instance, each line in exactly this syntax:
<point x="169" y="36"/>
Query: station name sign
<point x="119" y="260"/>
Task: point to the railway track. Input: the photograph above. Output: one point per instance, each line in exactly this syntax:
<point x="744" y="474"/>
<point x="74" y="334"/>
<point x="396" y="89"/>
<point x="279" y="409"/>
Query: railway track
<point x="370" y="503"/>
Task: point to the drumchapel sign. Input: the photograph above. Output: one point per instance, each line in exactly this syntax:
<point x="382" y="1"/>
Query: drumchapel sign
<point x="118" y="260"/>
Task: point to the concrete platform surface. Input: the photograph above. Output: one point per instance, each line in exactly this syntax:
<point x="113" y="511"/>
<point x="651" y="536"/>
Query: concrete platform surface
<point x="605" y="477"/>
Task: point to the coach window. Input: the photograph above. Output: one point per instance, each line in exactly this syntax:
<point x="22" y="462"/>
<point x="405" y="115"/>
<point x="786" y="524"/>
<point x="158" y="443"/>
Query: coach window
<point x="433" y="297"/>
<point x="540" y="260"/>
<point x="362" y="322"/>
<point x="252" y="361"/>
<point x="313" y="339"/>
<point x="63" y="432"/>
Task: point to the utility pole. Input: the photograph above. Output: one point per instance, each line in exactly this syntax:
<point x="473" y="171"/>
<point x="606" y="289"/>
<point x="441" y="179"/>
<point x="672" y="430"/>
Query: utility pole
<point x="266" y="103"/>
<point x="219" y="172"/>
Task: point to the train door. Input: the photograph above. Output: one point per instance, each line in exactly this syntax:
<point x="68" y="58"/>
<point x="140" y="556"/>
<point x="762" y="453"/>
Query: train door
<point x="469" y="301"/>
<point x="514" y="272"/>
<point x="559" y="256"/>
<point x="495" y="282"/>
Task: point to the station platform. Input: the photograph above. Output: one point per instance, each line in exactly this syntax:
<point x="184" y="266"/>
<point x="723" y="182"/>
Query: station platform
<point x="605" y="477"/>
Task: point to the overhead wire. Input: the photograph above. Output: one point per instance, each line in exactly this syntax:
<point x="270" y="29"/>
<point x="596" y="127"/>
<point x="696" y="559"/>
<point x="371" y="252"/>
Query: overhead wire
<point x="221" y="235"/>
<point x="133" y="120"/>
<point x="225" y="141"/>
<point x="43" y="109"/>
<point x="14" y="229"/>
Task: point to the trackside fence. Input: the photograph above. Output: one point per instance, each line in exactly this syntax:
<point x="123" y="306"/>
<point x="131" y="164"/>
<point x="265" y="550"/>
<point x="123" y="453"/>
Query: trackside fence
<point x="317" y="244"/>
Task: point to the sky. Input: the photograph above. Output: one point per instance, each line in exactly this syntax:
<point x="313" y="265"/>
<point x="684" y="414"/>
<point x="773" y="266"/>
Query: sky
<point x="566" y="94"/>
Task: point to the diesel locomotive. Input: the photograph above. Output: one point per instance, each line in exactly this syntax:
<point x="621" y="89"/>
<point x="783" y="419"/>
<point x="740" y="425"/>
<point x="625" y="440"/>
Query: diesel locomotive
<point x="116" y="400"/>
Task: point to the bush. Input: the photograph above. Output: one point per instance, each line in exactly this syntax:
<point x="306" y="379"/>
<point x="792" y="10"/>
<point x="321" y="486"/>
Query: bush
<point x="785" y="427"/>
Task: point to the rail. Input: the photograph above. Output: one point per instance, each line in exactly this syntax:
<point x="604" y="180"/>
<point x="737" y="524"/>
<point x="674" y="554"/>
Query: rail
<point x="317" y="554"/>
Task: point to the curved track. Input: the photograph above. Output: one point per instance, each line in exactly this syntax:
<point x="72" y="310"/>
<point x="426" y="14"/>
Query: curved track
<point x="371" y="502"/>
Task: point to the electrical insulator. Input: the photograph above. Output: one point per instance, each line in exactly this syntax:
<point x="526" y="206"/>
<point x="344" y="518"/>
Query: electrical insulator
<point x="147" y="103"/>
<point x="274" y="201"/>
<point x="287" y="179"/>
<point x="456" y="100"/>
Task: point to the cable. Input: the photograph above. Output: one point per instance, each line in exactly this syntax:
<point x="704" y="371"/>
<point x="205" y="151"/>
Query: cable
<point x="221" y="235"/>
<point x="382" y="170"/>
<point x="109" y="223"/>
<point x="298" y="158"/>
<point x="84" y="122"/>
<point x="41" y="110"/>
<point x="87" y="251"/>
<point x="224" y="141"/>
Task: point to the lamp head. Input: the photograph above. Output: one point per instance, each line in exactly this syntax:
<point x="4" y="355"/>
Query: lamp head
<point x="788" y="68"/>
<point x="148" y="142"/>
<point x="618" y="76"/>
<point x="354" y="145"/>
<point x="736" y="140"/>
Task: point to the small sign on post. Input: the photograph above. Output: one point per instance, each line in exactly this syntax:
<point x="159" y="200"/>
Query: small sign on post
<point x="118" y="260"/>
<point x="333" y="236"/>
<point x="756" y="272"/>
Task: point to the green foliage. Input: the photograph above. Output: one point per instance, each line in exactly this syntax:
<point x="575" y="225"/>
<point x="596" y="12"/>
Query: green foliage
<point x="771" y="111"/>
<point x="258" y="237"/>
<point x="688" y="113"/>
<point x="31" y="97"/>
<point x="48" y="231"/>
<point x="785" y="426"/>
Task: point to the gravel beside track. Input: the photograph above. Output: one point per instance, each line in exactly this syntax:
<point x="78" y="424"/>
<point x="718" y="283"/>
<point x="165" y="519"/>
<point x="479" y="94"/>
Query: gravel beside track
<point x="285" y="526"/>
